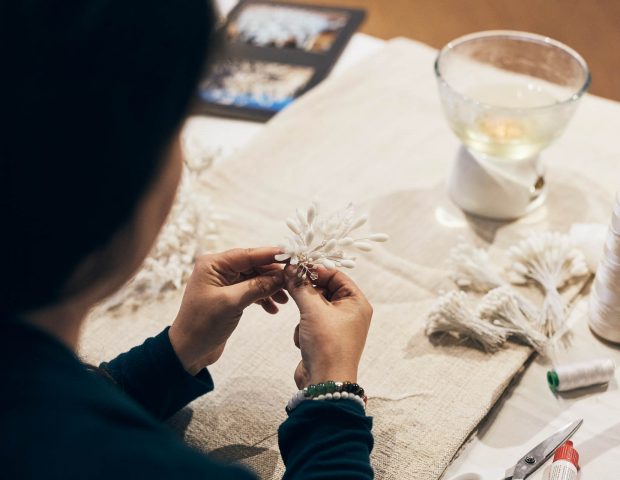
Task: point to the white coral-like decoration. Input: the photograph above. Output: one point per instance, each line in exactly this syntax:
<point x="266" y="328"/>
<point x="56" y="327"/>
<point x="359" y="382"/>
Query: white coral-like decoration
<point x="325" y="240"/>
<point x="190" y="230"/>
<point x="550" y="260"/>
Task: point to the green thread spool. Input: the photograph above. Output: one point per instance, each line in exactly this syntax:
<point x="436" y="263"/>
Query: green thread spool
<point x="553" y="380"/>
<point x="581" y="374"/>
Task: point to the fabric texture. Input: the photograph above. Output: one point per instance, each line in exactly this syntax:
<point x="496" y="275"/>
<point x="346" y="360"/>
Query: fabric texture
<point x="374" y="135"/>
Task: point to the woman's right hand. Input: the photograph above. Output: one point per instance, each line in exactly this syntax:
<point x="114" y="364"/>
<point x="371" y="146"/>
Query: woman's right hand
<point x="334" y="323"/>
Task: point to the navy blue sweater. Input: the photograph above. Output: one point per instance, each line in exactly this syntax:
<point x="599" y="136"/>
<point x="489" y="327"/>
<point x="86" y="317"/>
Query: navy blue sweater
<point x="60" y="420"/>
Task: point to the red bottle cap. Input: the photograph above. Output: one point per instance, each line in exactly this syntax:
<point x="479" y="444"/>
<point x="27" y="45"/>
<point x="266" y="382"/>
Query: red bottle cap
<point x="568" y="453"/>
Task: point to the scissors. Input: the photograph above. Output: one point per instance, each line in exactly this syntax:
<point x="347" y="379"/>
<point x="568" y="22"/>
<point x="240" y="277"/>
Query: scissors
<point x="536" y="457"/>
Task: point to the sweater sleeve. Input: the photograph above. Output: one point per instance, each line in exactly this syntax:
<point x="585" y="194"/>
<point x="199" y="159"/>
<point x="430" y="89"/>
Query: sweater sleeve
<point x="325" y="440"/>
<point x="153" y="375"/>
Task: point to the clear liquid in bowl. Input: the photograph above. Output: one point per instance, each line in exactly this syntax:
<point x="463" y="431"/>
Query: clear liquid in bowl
<point x="505" y="132"/>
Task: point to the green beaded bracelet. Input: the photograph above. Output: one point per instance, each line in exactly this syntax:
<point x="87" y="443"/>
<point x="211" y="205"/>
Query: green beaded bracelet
<point x="328" y="390"/>
<point x="330" y="386"/>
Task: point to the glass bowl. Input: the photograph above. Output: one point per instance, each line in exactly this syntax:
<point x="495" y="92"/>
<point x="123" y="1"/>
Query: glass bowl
<point x="507" y="95"/>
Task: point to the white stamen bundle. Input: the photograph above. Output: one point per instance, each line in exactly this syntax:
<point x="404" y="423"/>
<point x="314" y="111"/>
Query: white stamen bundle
<point x="318" y="240"/>
<point x="506" y="308"/>
<point x="452" y="314"/>
<point x="551" y="261"/>
<point x="473" y="269"/>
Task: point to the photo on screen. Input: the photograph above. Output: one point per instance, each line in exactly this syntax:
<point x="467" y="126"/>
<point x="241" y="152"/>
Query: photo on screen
<point x="254" y="84"/>
<point x="287" y="27"/>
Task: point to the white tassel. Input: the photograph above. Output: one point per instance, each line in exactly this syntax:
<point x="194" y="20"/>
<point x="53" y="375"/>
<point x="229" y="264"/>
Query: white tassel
<point x="551" y="261"/>
<point x="452" y="314"/>
<point x="473" y="269"/>
<point x="506" y="308"/>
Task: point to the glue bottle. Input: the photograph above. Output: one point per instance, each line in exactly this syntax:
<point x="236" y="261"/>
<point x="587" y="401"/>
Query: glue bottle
<point x="565" y="464"/>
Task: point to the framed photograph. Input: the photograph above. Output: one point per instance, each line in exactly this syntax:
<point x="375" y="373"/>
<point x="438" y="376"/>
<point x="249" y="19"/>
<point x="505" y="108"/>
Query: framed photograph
<point x="274" y="52"/>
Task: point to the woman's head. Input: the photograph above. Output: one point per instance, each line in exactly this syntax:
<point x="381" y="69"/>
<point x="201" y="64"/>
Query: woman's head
<point x="92" y="95"/>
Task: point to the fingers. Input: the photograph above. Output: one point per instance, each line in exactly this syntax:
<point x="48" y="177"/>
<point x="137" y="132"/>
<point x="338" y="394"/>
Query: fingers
<point x="262" y="269"/>
<point x="296" y="337"/>
<point x="280" y="297"/>
<point x="269" y="306"/>
<point x="333" y="280"/>
<point x="254" y="289"/>
<point x="323" y="291"/>
<point x="336" y="285"/>
<point x="331" y="285"/>
<point x="240" y="260"/>
<point x="301" y="376"/>
<point x="302" y="292"/>
<point x="269" y="268"/>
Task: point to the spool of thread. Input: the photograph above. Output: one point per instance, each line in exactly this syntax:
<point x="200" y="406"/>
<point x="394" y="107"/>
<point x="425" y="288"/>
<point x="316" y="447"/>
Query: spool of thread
<point x="604" y="316"/>
<point x="603" y="324"/>
<point x="608" y="295"/>
<point x="611" y="249"/>
<point x="578" y="375"/>
<point x="615" y="223"/>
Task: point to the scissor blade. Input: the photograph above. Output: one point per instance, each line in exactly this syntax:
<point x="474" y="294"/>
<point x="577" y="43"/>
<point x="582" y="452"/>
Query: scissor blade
<point x="541" y="452"/>
<point x="509" y="473"/>
<point x="556" y="440"/>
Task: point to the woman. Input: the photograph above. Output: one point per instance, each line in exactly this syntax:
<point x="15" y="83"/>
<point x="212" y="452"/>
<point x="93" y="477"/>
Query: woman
<point x="94" y="93"/>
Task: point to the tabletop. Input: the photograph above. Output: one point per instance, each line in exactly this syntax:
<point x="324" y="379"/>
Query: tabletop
<point x="528" y="412"/>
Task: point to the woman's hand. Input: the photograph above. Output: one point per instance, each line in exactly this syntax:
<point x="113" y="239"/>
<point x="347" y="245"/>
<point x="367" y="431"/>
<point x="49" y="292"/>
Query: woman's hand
<point x="220" y="288"/>
<point x="335" y="318"/>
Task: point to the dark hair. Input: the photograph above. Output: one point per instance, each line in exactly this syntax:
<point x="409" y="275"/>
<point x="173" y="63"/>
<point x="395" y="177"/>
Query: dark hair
<point x="91" y="92"/>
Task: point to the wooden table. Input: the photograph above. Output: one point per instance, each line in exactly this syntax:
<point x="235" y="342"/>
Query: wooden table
<point x="589" y="26"/>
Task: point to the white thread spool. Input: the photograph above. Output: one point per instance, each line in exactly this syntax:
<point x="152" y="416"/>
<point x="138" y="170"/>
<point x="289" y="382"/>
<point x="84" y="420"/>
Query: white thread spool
<point x="604" y="317"/>
<point x="607" y="294"/>
<point x="578" y="375"/>
<point x="602" y="323"/>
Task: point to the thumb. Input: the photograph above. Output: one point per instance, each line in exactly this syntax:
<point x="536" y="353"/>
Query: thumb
<point x="301" y="291"/>
<point x="258" y="288"/>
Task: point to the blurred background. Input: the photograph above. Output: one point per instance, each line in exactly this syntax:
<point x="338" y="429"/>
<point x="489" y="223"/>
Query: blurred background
<point x="592" y="27"/>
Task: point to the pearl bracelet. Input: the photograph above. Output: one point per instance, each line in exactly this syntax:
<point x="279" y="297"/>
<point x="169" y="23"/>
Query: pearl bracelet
<point x="329" y="390"/>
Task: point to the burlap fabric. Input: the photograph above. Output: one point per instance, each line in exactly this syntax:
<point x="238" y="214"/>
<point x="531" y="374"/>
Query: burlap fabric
<point x="376" y="136"/>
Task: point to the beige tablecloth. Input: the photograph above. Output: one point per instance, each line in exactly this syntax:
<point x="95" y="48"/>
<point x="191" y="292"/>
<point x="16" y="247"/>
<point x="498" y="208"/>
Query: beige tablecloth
<point x="376" y="136"/>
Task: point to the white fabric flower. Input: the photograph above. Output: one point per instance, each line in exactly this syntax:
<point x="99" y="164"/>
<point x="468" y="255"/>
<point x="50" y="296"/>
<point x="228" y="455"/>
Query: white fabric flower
<point x="325" y="240"/>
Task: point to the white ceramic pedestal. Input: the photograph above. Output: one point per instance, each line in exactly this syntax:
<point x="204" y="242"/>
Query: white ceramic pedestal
<point x="496" y="188"/>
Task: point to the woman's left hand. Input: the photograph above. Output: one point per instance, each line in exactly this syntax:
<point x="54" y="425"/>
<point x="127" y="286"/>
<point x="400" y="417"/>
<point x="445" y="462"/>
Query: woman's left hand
<point x="220" y="288"/>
